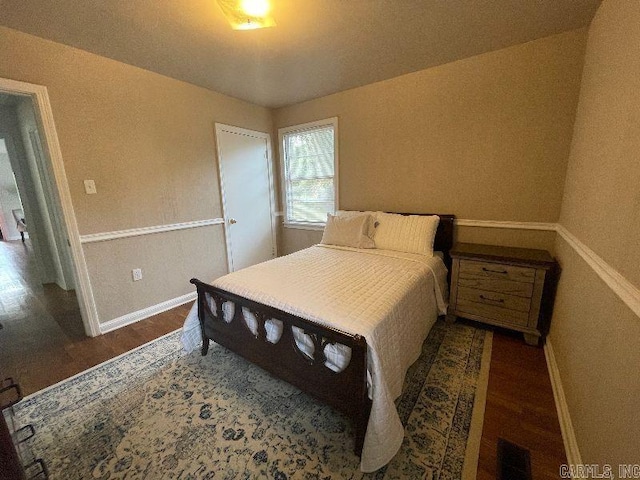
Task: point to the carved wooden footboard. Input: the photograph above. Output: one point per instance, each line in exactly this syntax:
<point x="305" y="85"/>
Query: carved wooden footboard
<point x="345" y="391"/>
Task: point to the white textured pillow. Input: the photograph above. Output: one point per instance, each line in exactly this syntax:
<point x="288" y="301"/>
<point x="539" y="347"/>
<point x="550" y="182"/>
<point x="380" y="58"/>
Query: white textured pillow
<point x="406" y="233"/>
<point x="352" y="213"/>
<point x="348" y="231"/>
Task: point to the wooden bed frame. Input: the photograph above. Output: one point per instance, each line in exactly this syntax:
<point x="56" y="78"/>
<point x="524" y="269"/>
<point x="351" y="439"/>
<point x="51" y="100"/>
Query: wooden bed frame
<point x="345" y="391"/>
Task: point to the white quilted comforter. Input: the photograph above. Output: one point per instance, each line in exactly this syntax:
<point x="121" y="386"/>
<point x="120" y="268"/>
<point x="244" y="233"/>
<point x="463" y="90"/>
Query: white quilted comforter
<point x="391" y="298"/>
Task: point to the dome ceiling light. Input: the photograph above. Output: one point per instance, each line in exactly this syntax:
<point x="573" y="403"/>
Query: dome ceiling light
<point x="247" y="14"/>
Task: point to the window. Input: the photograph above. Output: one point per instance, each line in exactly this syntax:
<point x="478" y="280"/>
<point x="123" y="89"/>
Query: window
<point x="309" y="164"/>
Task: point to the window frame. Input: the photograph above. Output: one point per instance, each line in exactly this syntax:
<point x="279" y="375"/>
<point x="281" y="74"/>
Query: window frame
<point x="333" y="121"/>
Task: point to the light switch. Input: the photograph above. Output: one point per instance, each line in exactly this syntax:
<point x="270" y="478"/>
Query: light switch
<point x="90" y="187"/>
<point x="136" y="273"/>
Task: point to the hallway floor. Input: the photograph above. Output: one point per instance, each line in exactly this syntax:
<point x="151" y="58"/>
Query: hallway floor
<point x="42" y="339"/>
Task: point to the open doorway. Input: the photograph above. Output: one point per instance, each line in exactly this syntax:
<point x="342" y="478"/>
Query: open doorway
<point x="37" y="273"/>
<point x="46" y="146"/>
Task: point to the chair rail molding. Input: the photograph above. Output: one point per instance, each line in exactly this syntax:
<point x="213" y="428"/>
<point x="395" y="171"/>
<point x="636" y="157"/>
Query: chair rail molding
<point x="135" y="232"/>
<point x="622" y="287"/>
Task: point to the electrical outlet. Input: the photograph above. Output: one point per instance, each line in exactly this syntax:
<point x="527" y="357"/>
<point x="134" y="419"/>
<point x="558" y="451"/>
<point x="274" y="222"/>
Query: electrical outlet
<point x="136" y="273"/>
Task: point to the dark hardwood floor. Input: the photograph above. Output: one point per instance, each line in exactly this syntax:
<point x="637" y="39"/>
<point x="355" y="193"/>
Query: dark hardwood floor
<point x="520" y="408"/>
<point x="42" y="342"/>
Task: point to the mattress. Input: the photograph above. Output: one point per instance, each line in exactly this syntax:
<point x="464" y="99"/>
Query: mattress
<point x="391" y="298"/>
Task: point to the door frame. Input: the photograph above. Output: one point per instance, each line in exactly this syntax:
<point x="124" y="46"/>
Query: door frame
<point x="65" y="275"/>
<point x="44" y="115"/>
<point x="219" y="128"/>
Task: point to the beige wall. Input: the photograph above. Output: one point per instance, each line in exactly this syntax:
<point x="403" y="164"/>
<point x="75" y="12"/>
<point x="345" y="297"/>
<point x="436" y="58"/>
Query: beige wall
<point x="602" y="193"/>
<point x="594" y="334"/>
<point x="148" y="142"/>
<point x="168" y="263"/>
<point x="483" y="138"/>
<point x="595" y="341"/>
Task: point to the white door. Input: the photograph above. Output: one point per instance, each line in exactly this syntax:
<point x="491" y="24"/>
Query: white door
<point x="246" y="182"/>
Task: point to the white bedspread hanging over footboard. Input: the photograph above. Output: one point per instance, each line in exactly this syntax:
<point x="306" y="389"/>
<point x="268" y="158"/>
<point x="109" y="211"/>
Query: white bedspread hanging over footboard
<point x="391" y="298"/>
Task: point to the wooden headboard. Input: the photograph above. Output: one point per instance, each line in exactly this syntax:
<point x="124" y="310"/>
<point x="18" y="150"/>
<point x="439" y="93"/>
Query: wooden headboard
<point x="444" y="235"/>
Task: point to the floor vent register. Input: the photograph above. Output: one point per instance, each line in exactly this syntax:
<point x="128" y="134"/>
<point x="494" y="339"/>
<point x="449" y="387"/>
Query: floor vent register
<point x="514" y="461"/>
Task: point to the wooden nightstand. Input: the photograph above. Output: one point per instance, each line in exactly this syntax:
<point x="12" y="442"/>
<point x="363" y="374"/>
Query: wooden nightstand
<point x="504" y="286"/>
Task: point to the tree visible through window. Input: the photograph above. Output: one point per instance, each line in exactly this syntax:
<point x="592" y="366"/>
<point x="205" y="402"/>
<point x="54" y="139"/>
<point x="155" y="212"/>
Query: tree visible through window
<point x="309" y="167"/>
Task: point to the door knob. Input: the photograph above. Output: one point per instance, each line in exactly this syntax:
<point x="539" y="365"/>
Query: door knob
<point x="232" y="221"/>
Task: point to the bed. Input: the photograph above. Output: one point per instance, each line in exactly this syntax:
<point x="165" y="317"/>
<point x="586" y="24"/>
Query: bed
<point x="341" y="323"/>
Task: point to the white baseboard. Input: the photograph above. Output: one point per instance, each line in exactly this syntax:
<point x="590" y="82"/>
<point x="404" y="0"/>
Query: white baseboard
<point x="134" y="317"/>
<point x="568" y="433"/>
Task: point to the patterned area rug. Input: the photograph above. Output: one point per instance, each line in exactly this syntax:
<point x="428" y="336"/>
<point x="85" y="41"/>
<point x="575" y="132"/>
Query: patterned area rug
<point x="157" y="413"/>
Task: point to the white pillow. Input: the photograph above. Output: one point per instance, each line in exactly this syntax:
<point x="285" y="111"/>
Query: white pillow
<point x="348" y="231"/>
<point x="406" y="233"/>
<point x="352" y="213"/>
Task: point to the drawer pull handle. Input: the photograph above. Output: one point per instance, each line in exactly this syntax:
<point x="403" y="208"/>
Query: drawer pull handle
<point x="497" y="300"/>
<point x="503" y="272"/>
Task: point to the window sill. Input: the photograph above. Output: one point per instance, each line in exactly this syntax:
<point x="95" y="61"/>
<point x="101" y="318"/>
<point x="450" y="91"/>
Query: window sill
<point x="304" y="226"/>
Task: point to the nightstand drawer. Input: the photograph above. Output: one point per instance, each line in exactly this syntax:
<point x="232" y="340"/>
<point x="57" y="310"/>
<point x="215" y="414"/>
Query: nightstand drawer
<point x="491" y="312"/>
<point x="483" y="270"/>
<point x="519" y="289"/>
<point x="494" y="299"/>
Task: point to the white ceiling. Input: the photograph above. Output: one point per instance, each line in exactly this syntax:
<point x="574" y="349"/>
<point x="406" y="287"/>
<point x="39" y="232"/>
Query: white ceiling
<point x="318" y="47"/>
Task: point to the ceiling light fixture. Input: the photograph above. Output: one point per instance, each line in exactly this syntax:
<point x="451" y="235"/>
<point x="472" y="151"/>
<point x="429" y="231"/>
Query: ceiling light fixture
<point x="247" y="14"/>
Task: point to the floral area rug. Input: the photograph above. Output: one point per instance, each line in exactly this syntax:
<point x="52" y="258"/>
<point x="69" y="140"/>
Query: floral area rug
<point x="156" y="413"/>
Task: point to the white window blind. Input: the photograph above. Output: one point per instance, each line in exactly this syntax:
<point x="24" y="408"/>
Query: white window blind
<point x="309" y="174"/>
